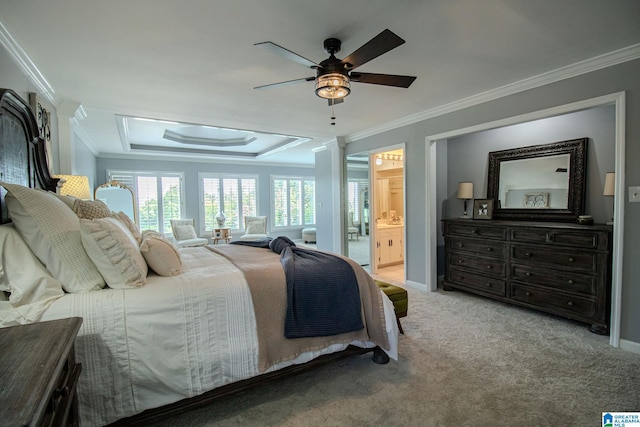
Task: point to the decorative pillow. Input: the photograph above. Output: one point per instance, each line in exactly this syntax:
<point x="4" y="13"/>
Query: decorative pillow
<point x="31" y="287"/>
<point x="161" y="255"/>
<point x="91" y="209"/>
<point x="52" y="231"/>
<point x="185" y="232"/>
<point x="115" y="252"/>
<point x="68" y="200"/>
<point x="133" y="228"/>
<point x="255" y="227"/>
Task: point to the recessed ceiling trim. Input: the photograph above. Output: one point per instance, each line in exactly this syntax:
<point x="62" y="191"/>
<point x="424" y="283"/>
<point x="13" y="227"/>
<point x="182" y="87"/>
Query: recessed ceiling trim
<point x="211" y="142"/>
<point x="218" y="153"/>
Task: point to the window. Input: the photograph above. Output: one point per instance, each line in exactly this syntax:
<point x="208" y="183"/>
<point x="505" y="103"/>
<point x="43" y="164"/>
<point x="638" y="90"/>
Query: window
<point x="159" y="197"/>
<point x="234" y="195"/>
<point x="357" y="202"/>
<point x="294" y="201"/>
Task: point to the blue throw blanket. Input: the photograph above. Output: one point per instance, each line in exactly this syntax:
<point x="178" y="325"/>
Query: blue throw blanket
<point x="322" y="291"/>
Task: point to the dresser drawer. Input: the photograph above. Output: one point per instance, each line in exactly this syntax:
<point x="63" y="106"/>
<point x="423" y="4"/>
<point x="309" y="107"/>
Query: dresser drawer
<point x="479" y="265"/>
<point x="553" y="237"/>
<point x="554" y="302"/>
<point x="477" y="282"/>
<point x="478" y="247"/>
<point x="473" y="230"/>
<point x="572" y="282"/>
<point x="564" y="259"/>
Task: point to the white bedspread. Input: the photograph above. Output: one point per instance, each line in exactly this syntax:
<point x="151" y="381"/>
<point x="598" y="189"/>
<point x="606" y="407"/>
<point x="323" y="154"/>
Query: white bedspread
<point x="174" y="338"/>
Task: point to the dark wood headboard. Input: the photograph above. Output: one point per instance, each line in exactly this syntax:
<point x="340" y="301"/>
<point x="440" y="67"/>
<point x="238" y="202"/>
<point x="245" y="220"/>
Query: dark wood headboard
<point x="23" y="158"/>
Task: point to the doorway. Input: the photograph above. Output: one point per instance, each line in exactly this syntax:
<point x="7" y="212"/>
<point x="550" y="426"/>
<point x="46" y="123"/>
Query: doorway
<point x="388" y="214"/>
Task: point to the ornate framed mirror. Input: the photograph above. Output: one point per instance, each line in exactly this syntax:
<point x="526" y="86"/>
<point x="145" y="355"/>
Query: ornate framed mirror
<point x="118" y="197"/>
<point x="540" y="182"/>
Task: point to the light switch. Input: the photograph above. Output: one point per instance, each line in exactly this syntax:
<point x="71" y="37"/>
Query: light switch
<point x="634" y="194"/>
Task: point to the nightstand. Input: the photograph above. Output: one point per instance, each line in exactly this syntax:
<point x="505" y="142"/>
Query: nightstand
<point x="221" y="234"/>
<point x="39" y="374"/>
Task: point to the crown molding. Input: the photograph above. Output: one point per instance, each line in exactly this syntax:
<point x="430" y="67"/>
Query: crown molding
<point x="26" y="65"/>
<point x="599" y="62"/>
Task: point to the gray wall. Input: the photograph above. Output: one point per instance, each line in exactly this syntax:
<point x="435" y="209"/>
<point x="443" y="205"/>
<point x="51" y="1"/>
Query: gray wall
<point x="622" y="77"/>
<point x="191" y="170"/>
<point x="467" y="155"/>
<point x="11" y="77"/>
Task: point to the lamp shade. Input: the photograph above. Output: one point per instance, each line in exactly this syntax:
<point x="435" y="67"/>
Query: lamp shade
<point x="465" y="190"/>
<point x="609" y="184"/>
<point x="74" y="185"/>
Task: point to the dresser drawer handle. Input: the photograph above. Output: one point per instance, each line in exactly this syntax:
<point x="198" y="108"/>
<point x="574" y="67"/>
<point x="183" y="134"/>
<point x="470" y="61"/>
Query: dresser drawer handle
<point x="528" y="294"/>
<point x="570" y="303"/>
<point x="570" y="282"/>
<point x="489" y="267"/>
<point x="474" y="231"/>
<point x="489" y="249"/>
<point x="489" y="285"/>
<point x="528" y="254"/>
<point x="527" y="274"/>
<point x="571" y="259"/>
<point x="460" y="245"/>
<point x="460" y="261"/>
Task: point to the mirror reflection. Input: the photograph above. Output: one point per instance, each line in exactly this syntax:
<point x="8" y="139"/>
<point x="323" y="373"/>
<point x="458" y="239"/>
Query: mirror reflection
<point x="535" y="183"/>
<point x="118" y="197"/>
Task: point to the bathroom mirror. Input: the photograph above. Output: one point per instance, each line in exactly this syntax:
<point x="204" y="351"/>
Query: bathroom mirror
<point x="539" y="183"/>
<point x="118" y="197"/>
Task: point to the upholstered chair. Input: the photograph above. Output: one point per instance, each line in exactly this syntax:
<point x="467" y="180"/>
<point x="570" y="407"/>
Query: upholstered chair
<point x="352" y="230"/>
<point x="255" y="228"/>
<point x="184" y="231"/>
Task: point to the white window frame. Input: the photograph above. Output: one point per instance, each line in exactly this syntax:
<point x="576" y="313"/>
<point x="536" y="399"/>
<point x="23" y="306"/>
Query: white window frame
<point x="132" y="182"/>
<point x="222" y="176"/>
<point x="302" y="180"/>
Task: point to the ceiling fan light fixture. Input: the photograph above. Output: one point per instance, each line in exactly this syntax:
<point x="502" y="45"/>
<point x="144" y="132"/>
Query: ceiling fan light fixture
<point x="333" y="86"/>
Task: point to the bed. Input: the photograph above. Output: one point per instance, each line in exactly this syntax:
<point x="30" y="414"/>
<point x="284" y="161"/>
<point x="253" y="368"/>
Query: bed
<point x="163" y="329"/>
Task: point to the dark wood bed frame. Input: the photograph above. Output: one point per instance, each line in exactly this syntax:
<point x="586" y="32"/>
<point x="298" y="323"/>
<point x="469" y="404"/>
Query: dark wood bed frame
<point x="23" y="161"/>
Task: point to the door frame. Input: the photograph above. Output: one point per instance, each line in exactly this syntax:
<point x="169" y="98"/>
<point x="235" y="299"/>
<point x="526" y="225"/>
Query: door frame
<point x="372" y="205"/>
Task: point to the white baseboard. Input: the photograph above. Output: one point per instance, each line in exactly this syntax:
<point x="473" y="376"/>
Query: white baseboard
<point x="419" y="286"/>
<point x="630" y="346"/>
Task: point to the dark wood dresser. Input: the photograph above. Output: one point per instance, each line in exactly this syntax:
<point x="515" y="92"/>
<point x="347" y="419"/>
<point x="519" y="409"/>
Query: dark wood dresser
<point x="559" y="268"/>
<point x="39" y="374"/>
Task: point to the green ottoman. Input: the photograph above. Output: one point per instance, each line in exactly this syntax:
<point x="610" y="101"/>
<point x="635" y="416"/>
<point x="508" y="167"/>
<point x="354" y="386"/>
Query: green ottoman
<point x="398" y="297"/>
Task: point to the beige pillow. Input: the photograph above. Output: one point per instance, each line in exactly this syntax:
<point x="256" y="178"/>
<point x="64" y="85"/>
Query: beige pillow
<point x="91" y="209"/>
<point x="52" y="232"/>
<point x="255" y="227"/>
<point x="115" y="252"/>
<point x="185" y="232"/>
<point x="132" y="226"/>
<point x="161" y="255"/>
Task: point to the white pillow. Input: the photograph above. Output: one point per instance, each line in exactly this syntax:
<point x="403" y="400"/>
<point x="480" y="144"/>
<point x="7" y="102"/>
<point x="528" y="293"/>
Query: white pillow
<point x="185" y="232"/>
<point x="32" y="288"/>
<point x="161" y="255"/>
<point x="255" y="227"/>
<point x="52" y="231"/>
<point x="115" y="252"/>
<point x="132" y="226"/>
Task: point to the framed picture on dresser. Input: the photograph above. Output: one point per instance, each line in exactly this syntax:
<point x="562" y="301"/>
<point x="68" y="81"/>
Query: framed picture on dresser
<point x="483" y="209"/>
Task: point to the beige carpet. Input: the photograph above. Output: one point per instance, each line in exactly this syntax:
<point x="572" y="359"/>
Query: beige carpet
<point x="464" y="361"/>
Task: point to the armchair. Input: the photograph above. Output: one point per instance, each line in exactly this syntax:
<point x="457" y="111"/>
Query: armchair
<point x="184" y="231"/>
<point x="351" y="228"/>
<point x="255" y="228"/>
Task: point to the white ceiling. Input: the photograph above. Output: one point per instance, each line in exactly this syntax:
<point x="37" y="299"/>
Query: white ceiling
<point x="195" y="61"/>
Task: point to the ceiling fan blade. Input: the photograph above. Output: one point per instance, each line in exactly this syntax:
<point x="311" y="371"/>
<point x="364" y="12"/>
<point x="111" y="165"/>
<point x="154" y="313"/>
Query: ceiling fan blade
<point x="382" y="79"/>
<point x="291" y="56"/>
<point x="382" y="43"/>
<point x="335" y="101"/>
<point x="288" y="82"/>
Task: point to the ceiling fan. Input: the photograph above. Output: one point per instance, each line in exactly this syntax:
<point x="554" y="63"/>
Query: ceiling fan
<point x="333" y="75"/>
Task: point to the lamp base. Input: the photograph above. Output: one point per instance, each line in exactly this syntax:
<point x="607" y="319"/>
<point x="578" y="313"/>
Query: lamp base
<point x="465" y="216"/>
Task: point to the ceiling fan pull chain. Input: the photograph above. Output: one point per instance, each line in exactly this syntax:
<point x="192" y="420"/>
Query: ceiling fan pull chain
<point x="333" y="114"/>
